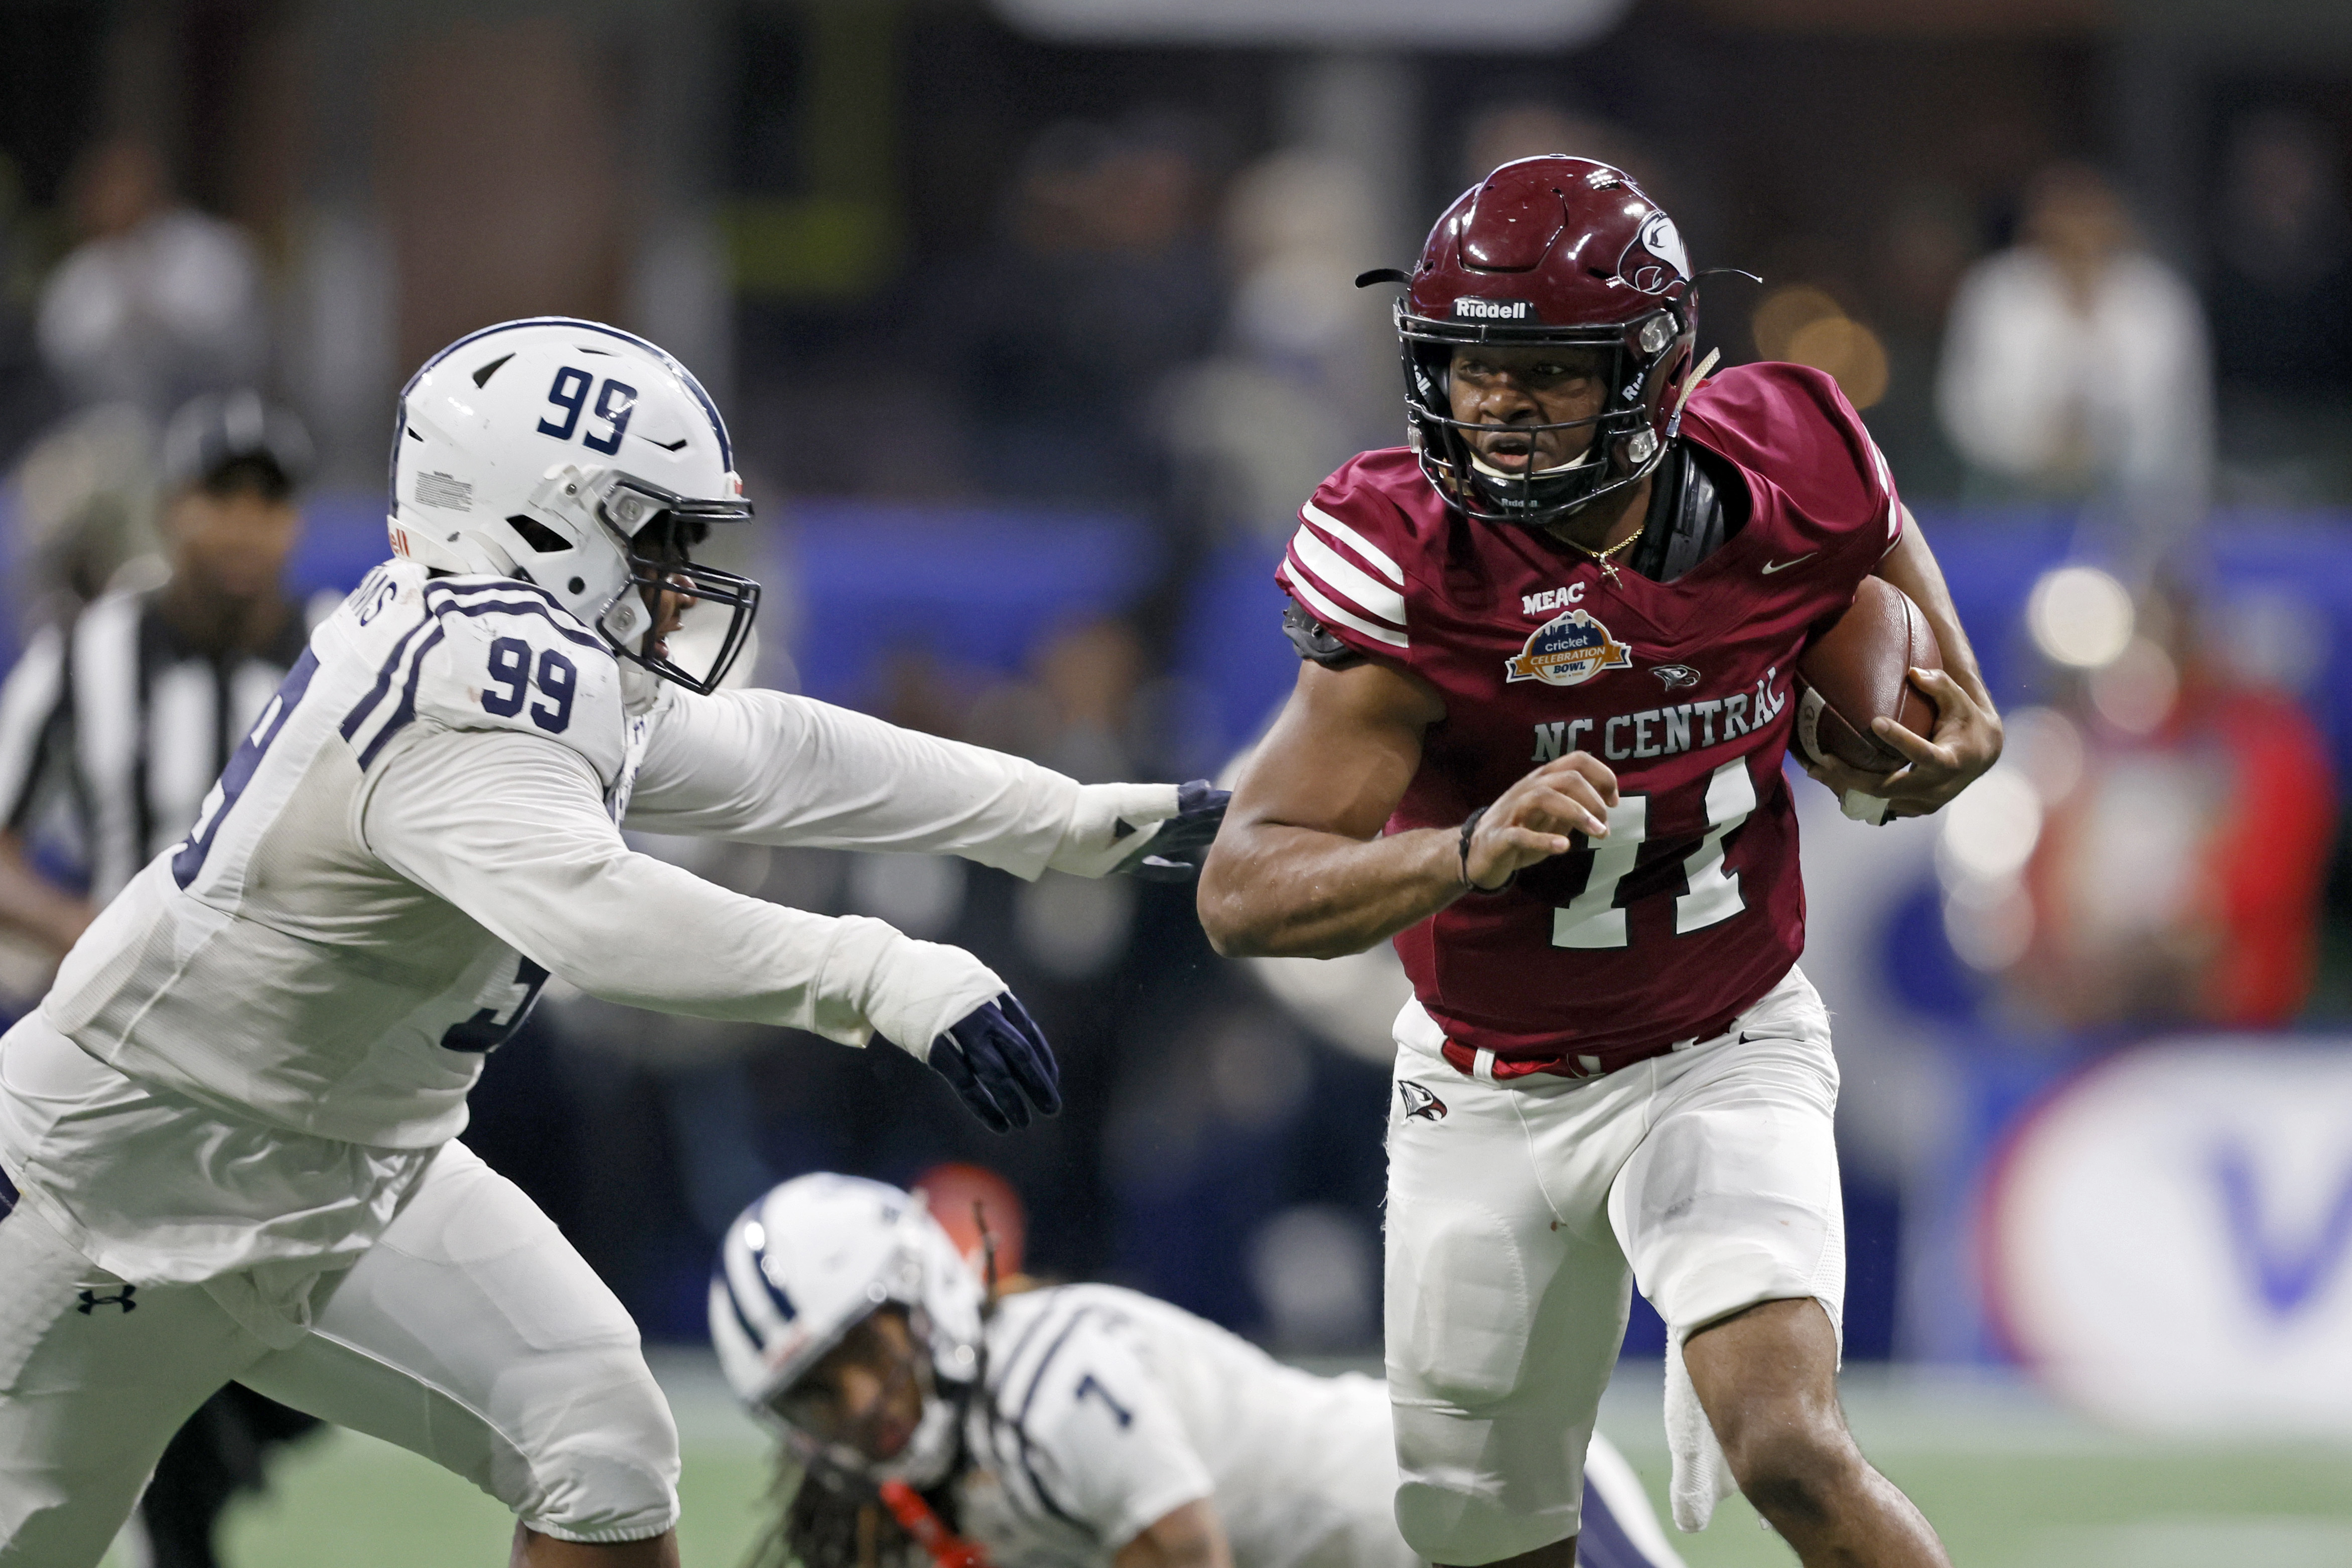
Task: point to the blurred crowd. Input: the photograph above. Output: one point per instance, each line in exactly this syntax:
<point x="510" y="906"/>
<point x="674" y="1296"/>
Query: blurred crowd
<point x="1155" y="321"/>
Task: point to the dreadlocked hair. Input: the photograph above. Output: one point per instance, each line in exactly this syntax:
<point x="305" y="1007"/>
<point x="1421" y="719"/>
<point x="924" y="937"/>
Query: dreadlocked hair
<point x="829" y="1519"/>
<point x="831" y="1523"/>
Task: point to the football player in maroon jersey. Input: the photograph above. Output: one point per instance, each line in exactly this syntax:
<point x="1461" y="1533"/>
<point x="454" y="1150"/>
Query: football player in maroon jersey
<point x="1537" y="740"/>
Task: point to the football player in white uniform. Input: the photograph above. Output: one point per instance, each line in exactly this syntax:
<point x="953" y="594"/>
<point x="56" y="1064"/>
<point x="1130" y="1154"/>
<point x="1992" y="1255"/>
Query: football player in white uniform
<point x="226" y="1136"/>
<point x="1066" y="1426"/>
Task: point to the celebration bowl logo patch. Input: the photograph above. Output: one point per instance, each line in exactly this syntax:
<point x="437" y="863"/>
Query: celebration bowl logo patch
<point x="1567" y="651"/>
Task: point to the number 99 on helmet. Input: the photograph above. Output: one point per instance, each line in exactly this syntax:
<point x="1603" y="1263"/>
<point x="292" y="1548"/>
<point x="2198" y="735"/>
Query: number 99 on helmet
<point x="585" y="460"/>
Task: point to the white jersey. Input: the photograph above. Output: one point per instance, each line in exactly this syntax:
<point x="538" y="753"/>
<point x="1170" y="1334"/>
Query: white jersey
<point x="278" y="1021"/>
<point x="1107" y="1409"/>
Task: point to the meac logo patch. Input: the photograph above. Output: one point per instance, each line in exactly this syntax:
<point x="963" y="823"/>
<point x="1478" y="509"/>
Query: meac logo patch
<point x="1567" y="651"/>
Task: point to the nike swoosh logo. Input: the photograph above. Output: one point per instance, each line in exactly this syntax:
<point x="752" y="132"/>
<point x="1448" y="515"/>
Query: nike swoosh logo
<point x="1772" y="566"/>
<point x="677" y="446"/>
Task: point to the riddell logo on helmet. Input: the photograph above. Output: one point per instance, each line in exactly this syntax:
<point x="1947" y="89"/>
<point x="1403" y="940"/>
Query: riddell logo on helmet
<point x="1471" y="309"/>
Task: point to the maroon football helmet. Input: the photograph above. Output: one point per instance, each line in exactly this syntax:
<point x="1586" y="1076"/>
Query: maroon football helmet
<point x="1560" y="251"/>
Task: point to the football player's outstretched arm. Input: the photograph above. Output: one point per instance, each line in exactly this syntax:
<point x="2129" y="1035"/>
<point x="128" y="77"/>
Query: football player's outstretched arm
<point x="1302" y="869"/>
<point x="1967" y="737"/>
<point x="762" y="767"/>
<point x="512" y="830"/>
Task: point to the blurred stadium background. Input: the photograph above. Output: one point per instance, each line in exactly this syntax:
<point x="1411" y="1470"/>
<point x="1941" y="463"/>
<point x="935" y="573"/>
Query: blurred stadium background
<point x="1033" y="322"/>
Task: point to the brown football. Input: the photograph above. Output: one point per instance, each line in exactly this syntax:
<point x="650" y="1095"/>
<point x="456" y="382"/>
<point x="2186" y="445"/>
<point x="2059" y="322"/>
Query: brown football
<point x="1856" y="671"/>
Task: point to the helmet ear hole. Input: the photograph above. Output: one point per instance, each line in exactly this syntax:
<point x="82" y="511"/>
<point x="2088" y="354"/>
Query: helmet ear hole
<point x="575" y="586"/>
<point x="539" y="535"/>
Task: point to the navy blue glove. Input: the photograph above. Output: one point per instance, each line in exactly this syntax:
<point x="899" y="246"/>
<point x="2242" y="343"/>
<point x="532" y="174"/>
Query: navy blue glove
<point x="1174" y="853"/>
<point x="995" y="1057"/>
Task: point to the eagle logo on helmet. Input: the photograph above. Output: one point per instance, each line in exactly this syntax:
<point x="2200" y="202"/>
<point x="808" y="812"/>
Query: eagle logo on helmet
<point x="1656" y="260"/>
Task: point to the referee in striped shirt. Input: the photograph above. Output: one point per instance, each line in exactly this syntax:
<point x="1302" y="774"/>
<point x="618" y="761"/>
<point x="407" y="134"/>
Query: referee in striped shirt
<point x="112" y="728"/>
<point x="114" y="725"/>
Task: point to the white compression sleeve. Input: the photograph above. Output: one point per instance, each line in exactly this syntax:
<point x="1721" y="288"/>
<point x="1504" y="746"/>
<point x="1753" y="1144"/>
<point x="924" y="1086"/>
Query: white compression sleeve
<point x="763" y="767"/>
<point x="512" y="830"/>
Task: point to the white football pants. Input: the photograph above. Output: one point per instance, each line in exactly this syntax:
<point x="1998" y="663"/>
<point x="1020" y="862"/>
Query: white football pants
<point x="1520" y="1212"/>
<point x="471" y="1333"/>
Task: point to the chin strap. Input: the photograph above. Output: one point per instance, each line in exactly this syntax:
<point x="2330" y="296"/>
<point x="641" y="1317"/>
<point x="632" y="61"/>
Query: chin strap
<point x="1690" y="385"/>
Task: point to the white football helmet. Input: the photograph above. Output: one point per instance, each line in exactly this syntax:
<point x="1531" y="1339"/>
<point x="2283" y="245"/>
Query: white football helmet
<point x="582" y="459"/>
<point x="810" y="1261"/>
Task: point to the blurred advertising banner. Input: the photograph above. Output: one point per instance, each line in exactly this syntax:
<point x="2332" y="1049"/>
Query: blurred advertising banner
<point x="1361" y="24"/>
<point x="2169" y="1237"/>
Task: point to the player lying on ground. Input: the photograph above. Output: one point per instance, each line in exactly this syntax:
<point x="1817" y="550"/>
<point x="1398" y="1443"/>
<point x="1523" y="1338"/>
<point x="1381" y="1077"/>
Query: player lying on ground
<point x="1592" y="561"/>
<point x="226" y="1134"/>
<point x="1061" y="1427"/>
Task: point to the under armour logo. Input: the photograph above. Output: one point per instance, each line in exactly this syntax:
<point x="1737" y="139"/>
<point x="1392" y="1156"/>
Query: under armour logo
<point x="91" y="1300"/>
<point x="1420" y="1102"/>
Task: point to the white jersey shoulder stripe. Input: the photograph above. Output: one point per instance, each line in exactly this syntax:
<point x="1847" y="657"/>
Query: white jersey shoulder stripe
<point x="400" y="657"/>
<point x="1374" y="557"/>
<point x="517" y="599"/>
<point x="405" y="667"/>
<point x="1072" y="1315"/>
<point x="406" y="711"/>
<point x="1335" y="573"/>
<point x="1328" y="612"/>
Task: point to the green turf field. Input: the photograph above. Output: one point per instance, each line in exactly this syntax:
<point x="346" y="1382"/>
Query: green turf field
<point x="2010" y="1481"/>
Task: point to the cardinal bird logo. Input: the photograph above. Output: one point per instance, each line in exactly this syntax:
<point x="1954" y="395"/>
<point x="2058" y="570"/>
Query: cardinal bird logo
<point x="1675" y="675"/>
<point x="1655" y="260"/>
<point x="1420" y="1102"/>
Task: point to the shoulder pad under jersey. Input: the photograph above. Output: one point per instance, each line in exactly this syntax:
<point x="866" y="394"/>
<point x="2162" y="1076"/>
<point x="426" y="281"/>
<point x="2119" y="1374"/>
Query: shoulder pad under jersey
<point x="488" y="652"/>
<point x="1792" y="425"/>
<point x="1346" y="564"/>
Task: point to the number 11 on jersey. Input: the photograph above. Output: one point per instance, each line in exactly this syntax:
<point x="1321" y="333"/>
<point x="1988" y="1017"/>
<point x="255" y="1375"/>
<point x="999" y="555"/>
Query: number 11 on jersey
<point x="1594" y="918"/>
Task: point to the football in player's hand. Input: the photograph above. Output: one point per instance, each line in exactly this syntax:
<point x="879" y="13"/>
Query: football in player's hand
<point x="1857" y="669"/>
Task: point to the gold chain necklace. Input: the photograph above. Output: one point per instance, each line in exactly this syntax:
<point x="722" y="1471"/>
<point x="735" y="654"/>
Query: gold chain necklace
<point x="1600" y="557"/>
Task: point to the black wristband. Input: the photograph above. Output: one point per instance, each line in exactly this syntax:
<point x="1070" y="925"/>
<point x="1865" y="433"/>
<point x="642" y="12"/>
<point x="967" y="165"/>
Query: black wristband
<point x="1470" y="826"/>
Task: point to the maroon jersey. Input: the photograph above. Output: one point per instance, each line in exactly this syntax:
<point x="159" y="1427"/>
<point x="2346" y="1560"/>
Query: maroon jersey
<point x="1692" y="908"/>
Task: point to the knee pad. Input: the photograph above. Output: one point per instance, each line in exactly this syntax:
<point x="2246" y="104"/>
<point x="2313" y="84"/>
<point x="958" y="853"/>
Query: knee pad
<point x="608" y="1470"/>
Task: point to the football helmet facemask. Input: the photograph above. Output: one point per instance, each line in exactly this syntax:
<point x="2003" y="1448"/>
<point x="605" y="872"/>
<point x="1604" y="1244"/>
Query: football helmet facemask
<point x="805" y="1266"/>
<point x="583" y="460"/>
<point x="1550" y="252"/>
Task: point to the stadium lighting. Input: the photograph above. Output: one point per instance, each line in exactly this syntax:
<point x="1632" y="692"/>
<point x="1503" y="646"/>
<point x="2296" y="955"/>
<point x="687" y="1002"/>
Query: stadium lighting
<point x="2080" y="616"/>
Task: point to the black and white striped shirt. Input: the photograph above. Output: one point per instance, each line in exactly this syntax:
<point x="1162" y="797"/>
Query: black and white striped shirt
<point x="113" y="727"/>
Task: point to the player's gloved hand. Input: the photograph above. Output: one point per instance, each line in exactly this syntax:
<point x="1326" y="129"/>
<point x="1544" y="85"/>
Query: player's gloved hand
<point x="1174" y="853"/>
<point x="1158" y="832"/>
<point x="998" y="1059"/>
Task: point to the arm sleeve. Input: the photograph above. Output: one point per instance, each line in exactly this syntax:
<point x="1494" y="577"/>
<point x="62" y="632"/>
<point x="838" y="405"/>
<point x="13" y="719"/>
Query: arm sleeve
<point x="763" y="767"/>
<point x="512" y="829"/>
<point x="1119" y="1457"/>
<point x="32" y="709"/>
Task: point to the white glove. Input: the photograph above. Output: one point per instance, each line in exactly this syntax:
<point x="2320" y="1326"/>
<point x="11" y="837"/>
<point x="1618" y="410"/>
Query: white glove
<point x="909" y="992"/>
<point x="1161" y="832"/>
<point x="1110" y="823"/>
